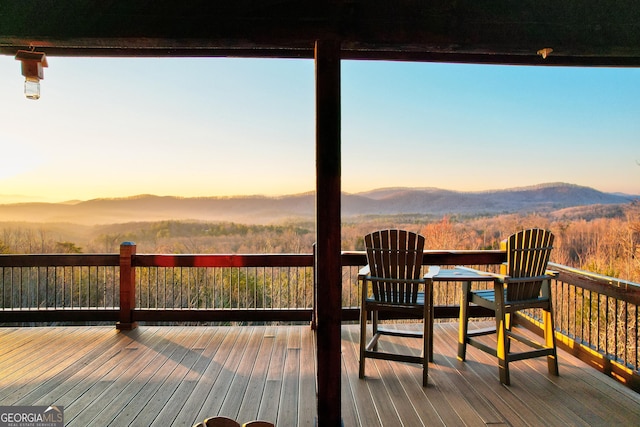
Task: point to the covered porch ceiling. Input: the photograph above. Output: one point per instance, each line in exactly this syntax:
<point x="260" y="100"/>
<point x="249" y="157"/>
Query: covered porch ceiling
<point x="580" y="32"/>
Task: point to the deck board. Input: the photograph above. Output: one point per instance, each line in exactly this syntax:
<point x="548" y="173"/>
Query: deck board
<point x="91" y="390"/>
<point x="306" y="400"/>
<point x="208" y="344"/>
<point x="131" y="391"/>
<point x="359" y="390"/>
<point x="242" y="375"/>
<point x="98" y="352"/>
<point x="249" y="405"/>
<point x="288" y="409"/>
<point x="176" y="376"/>
<point x="146" y="406"/>
<point x="228" y="365"/>
<point x="39" y="364"/>
<point x="216" y="355"/>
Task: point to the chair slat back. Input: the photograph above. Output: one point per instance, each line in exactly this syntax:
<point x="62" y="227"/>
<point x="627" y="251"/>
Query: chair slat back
<point x="528" y="254"/>
<point x="395" y="254"/>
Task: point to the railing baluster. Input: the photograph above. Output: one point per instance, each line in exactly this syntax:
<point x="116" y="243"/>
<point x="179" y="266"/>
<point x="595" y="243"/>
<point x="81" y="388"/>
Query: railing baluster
<point x="21" y="292"/>
<point x="590" y="319"/>
<point x="627" y="332"/>
<point x="636" y="320"/>
<point x="598" y="347"/>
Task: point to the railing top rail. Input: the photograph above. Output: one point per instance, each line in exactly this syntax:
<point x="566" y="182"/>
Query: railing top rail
<point x="608" y="280"/>
<point x="223" y="260"/>
<point x="349" y="258"/>
<point x="622" y="290"/>
<point x="59" y="260"/>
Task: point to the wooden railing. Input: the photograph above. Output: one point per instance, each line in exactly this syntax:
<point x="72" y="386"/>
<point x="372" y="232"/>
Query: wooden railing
<point x="596" y="316"/>
<point x="59" y="288"/>
<point x="596" y="319"/>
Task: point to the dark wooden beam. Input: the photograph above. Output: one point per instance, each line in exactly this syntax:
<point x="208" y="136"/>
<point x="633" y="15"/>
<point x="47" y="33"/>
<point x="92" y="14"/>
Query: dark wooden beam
<point x="328" y="236"/>
<point x="127" y="287"/>
<point x="580" y="32"/>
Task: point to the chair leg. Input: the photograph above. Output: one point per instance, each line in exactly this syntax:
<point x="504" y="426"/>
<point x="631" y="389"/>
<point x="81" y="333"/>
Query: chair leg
<point x="427" y="332"/>
<point x="502" y="345"/>
<point x="428" y="314"/>
<point x="550" y="340"/>
<point x="508" y="318"/>
<point x="363" y="338"/>
<point x="374" y="327"/>
<point x="464" y="321"/>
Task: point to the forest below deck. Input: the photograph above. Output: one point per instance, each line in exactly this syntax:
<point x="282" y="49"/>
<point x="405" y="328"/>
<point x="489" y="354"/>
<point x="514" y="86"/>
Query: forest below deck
<point x="603" y="241"/>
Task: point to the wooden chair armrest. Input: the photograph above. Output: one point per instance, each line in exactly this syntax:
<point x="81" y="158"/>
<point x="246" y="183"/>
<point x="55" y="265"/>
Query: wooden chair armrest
<point x="509" y="279"/>
<point x="496" y="276"/>
<point x="363" y="272"/>
<point x="549" y="274"/>
<point x="432" y="271"/>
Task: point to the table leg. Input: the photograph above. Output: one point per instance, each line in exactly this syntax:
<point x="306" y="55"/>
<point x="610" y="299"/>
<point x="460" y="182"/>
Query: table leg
<point x="464" y="320"/>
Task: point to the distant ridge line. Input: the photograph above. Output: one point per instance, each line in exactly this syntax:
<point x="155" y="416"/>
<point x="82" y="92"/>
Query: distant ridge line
<point x="260" y="209"/>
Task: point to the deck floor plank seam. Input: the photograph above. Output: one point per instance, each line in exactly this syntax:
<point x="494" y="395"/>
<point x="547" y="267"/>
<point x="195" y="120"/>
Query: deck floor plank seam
<point x="383" y="403"/>
<point x="114" y="394"/>
<point x="359" y="391"/>
<point x="255" y="390"/>
<point x="308" y="374"/>
<point x="19" y="337"/>
<point x="288" y="409"/>
<point x="207" y="346"/>
<point x="269" y="407"/>
<point x="192" y="411"/>
<point x="42" y="362"/>
<point x="242" y="375"/>
<point x="220" y="387"/>
<point x="170" y="382"/>
<point x="50" y="390"/>
<point x="87" y="384"/>
<point x="138" y="395"/>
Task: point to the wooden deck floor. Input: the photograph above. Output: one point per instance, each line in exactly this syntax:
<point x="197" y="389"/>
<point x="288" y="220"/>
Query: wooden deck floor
<point x="175" y="376"/>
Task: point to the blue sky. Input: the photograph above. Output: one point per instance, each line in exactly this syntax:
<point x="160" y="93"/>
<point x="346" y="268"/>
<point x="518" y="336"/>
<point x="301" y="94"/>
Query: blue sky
<point x="108" y="127"/>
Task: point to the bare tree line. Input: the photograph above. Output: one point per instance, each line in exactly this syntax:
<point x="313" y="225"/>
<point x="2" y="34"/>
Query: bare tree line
<point x="605" y="245"/>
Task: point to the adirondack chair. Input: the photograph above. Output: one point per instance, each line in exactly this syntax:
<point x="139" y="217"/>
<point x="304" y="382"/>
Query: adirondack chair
<point x="391" y="282"/>
<point x="523" y="283"/>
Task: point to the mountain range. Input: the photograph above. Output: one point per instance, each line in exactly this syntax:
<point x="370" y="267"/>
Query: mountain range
<point x="544" y="198"/>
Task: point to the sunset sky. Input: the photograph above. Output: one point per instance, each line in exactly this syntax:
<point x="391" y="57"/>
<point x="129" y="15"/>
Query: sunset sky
<point x="220" y="127"/>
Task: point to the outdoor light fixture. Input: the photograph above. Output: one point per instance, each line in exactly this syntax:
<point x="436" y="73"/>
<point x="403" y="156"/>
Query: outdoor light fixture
<point x="545" y="52"/>
<point x="32" y="70"/>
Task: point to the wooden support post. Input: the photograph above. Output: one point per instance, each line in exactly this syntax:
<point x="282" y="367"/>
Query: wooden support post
<point x="328" y="244"/>
<point x="127" y="287"/>
<point x="314" y="315"/>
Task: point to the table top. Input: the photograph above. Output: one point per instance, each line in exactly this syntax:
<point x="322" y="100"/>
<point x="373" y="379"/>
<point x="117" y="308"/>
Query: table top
<point x="458" y="274"/>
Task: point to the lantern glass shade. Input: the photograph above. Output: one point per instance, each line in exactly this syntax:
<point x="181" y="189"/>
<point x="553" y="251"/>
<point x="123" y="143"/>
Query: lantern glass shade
<point x="32" y="88"/>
